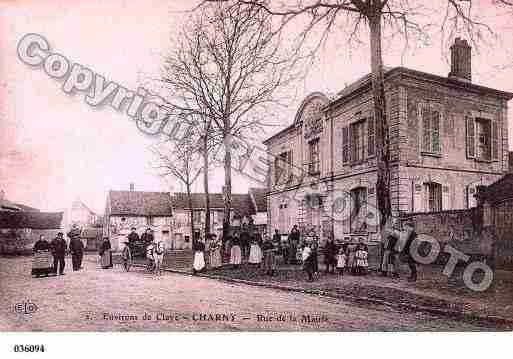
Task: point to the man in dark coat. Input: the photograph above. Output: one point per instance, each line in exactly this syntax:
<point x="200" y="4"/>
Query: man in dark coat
<point x="406" y="255"/>
<point x="330" y="254"/>
<point x="147" y="237"/>
<point x="76" y="248"/>
<point x="133" y="237"/>
<point x="59" y="246"/>
<point x="244" y="241"/>
<point x="294" y="239"/>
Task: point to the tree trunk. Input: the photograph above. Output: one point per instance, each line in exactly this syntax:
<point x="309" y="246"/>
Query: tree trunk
<point x="382" y="133"/>
<point x="205" y="184"/>
<point x="227" y="183"/>
<point x="191" y="213"/>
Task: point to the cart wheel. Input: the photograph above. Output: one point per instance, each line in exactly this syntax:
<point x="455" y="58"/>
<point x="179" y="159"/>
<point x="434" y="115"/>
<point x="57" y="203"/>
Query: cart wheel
<point x="126" y="255"/>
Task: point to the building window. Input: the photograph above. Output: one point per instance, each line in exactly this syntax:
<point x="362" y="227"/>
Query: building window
<point x="430" y="130"/>
<point x="482" y="139"/>
<point x="314" y="164"/>
<point x="282" y="167"/>
<point x="357" y="141"/>
<point x="197" y="216"/>
<point x="358" y="209"/>
<point x="371" y="137"/>
<point x="433" y="196"/>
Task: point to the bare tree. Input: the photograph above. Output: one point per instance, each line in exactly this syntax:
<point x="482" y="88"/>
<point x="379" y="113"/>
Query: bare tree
<point x="228" y="67"/>
<point x="398" y="17"/>
<point x="180" y="160"/>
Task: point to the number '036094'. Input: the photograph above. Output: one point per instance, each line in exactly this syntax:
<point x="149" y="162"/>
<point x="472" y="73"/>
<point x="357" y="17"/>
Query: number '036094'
<point x="25" y="348"/>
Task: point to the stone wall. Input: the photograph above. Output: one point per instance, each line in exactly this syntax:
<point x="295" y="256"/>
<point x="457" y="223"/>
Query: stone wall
<point x="461" y="229"/>
<point x="21" y="241"/>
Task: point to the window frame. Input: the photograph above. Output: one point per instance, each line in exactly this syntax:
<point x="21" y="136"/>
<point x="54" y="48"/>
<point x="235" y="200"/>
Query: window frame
<point x="363" y="196"/>
<point x="437" y="191"/>
<point x="314" y="167"/>
<point x="431" y="107"/>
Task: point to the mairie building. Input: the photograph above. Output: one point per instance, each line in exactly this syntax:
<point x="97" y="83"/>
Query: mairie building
<point x="448" y="136"/>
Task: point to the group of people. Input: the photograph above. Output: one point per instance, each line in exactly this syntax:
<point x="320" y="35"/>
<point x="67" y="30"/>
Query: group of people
<point x="49" y="257"/>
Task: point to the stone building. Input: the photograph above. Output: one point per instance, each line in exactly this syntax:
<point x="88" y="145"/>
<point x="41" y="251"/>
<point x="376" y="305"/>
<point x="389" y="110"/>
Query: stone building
<point x="448" y="136"/>
<point x="139" y="209"/>
<point x="246" y="208"/>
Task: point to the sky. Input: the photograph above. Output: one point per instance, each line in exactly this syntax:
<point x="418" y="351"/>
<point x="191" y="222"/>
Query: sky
<point x="55" y="148"/>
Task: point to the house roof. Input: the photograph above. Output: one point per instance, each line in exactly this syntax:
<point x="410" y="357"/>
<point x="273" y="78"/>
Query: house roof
<point x="30" y="219"/>
<point x="259" y="196"/>
<point x="91" y="232"/>
<point x="498" y="191"/>
<point x="241" y="203"/>
<point x="139" y="203"/>
<point x="24" y="207"/>
<point x="364" y="82"/>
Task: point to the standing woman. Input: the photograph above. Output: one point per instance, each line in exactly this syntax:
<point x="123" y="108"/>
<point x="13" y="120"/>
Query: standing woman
<point x="105" y="253"/>
<point x="42" y="265"/>
<point x="235" y="253"/>
<point x="199" y="256"/>
<point x="255" y="253"/>
<point x="351" y="257"/>
<point x="215" y="253"/>
<point x="269" y="257"/>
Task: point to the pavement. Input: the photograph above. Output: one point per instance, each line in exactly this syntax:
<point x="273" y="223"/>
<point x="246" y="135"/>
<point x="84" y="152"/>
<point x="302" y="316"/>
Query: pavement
<point x="95" y="299"/>
<point x="433" y="292"/>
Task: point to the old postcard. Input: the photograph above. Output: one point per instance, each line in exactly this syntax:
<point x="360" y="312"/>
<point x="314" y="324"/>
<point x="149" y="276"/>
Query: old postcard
<point x="275" y="166"/>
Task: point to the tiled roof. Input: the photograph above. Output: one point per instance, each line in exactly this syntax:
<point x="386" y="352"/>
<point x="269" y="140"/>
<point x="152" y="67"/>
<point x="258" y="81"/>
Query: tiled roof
<point x="30" y="219"/>
<point x="241" y="203"/>
<point x="140" y="203"/>
<point x="259" y="196"/>
<point x="500" y="190"/>
<point x="91" y="233"/>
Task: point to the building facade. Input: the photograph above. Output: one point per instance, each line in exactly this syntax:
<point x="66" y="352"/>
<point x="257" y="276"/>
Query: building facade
<point x="140" y="209"/>
<point x="447" y="137"/>
<point x="246" y="208"/>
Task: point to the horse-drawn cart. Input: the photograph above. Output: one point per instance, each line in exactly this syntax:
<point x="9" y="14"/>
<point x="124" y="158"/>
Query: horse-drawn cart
<point x="139" y="254"/>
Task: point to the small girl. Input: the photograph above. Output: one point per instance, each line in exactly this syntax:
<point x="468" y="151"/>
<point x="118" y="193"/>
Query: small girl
<point x="341" y="261"/>
<point x="361" y="259"/>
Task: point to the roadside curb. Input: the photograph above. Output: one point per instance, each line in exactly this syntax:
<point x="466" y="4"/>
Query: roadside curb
<point x="418" y="308"/>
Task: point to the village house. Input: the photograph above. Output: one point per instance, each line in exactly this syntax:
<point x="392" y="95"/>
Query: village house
<point x="246" y="208"/>
<point x="139" y="209"/>
<point x="448" y="139"/>
<point x="81" y="215"/>
<point x="21" y="226"/>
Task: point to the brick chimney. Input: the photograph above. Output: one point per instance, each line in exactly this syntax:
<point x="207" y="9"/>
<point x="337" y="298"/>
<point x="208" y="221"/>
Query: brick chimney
<point x="461" y="60"/>
<point x="132" y="187"/>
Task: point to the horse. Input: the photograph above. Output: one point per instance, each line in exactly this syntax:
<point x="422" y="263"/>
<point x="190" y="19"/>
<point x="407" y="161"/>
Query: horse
<point x="155" y="253"/>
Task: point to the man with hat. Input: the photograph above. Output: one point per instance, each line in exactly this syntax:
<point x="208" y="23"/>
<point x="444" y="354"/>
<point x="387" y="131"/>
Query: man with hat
<point x="133" y="237"/>
<point x="147" y="237"/>
<point x="76" y="248"/>
<point x="59" y="246"/>
<point x="409" y="227"/>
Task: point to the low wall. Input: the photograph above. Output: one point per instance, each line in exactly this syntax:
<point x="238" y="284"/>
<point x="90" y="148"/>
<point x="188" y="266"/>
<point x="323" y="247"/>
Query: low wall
<point x="21" y="241"/>
<point x="461" y="229"/>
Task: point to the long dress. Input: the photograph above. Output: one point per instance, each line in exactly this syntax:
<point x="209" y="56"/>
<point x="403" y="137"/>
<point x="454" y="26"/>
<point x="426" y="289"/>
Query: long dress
<point x="215" y="255"/>
<point x="351" y="253"/>
<point x="255" y="254"/>
<point x="269" y="257"/>
<point x="42" y="264"/>
<point x="235" y="253"/>
<point x="199" y="257"/>
<point x="106" y="255"/>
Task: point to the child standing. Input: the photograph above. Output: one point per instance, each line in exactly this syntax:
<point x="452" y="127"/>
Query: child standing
<point x="341" y="260"/>
<point x="361" y="259"/>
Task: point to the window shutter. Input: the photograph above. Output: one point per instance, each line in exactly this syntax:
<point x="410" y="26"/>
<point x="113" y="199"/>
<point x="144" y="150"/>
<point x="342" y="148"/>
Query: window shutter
<point x="352" y="143"/>
<point x="346" y="217"/>
<point x="471" y="199"/>
<point x="345" y="144"/>
<point x="372" y="210"/>
<point x="426" y="129"/>
<point x="417" y="198"/>
<point x="371" y="137"/>
<point x="446" y="197"/>
<point x="435" y="132"/>
<point x="495" y="141"/>
<point x="290" y="171"/>
<point x="471" y="137"/>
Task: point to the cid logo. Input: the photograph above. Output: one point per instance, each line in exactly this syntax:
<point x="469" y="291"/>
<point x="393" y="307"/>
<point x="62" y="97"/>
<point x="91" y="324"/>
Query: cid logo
<point x="25" y="308"/>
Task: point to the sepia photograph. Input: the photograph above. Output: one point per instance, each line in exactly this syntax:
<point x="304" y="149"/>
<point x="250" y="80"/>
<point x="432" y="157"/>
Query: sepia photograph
<point x="255" y="166"/>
